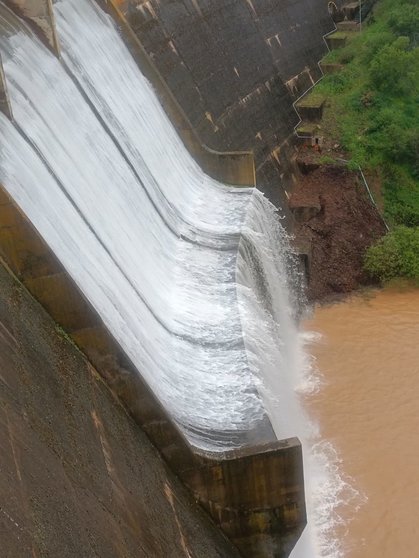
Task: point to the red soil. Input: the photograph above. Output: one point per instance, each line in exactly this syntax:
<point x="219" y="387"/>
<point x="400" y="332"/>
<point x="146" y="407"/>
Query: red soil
<point x="341" y="225"/>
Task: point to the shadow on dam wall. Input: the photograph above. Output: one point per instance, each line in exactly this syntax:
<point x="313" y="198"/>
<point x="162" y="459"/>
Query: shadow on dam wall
<point x="256" y="495"/>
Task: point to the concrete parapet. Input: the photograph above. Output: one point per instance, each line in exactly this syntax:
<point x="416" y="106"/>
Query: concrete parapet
<point x="39" y="14"/>
<point x="262" y="506"/>
<point x="255" y="494"/>
<point x="234" y="168"/>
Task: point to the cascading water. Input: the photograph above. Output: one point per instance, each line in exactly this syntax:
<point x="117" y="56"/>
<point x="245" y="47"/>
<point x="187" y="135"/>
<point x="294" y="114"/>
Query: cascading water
<point x="190" y="276"/>
<point x="164" y="253"/>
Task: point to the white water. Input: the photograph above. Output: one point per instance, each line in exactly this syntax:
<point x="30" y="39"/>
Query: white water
<point x="191" y="277"/>
<point x="329" y="491"/>
<point x="170" y="258"/>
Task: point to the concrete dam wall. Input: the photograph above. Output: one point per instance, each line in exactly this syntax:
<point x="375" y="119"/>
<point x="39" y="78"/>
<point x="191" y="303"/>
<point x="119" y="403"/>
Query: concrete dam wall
<point x="236" y="67"/>
<point x="263" y="517"/>
<point x="254" y="493"/>
<point x="78" y="476"/>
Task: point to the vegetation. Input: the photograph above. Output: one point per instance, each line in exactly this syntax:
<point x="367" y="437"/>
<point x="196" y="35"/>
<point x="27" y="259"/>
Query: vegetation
<point x="375" y="100"/>
<point x="395" y="255"/>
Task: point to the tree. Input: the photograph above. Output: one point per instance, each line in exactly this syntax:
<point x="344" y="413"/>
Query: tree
<point x="404" y="20"/>
<point x="392" y="69"/>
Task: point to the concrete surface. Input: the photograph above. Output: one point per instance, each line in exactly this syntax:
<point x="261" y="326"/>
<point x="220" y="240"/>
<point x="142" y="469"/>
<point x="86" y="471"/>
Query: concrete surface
<point x="78" y="477"/>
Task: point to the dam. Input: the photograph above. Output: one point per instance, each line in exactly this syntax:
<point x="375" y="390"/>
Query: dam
<point x="180" y="286"/>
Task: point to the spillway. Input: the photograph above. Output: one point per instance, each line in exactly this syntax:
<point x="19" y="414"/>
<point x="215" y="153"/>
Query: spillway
<point x="191" y="277"/>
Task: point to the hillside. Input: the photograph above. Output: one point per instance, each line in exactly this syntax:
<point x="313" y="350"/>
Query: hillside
<point x="372" y="114"/>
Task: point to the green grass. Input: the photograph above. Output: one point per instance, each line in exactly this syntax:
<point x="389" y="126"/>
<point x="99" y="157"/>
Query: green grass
<point x="307" y="128"/>
<point x="338" y="35"/>
<point x="313" y="99"/>
<point x="372" y="105"/>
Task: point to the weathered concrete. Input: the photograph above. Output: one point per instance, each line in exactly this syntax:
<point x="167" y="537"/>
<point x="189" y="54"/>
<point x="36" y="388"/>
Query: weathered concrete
<point x="310" y="107"/>
<point x="255" y="495"/>
<point x="303" y="212"/>
<point x="347" y="25"/>
<point x="351" y="9"/>
<point x="231" y="167"/>
<point x="39" y="15"/>
<point x="4" y="96"/>
<point x="330" y="67"/>
<point x="235" y="68"/>
<point x="337" y="39"/>
<point x="78" y="477"/>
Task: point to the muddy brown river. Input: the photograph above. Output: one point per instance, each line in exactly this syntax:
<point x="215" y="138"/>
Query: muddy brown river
<point x="368" y="407"/>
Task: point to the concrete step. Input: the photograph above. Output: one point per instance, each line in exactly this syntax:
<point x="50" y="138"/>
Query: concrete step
<point x="351" y="9"/>
<point x="310" y="107"/>
<point x="337" y="39"/>
<point x="330" y="67"/>
<point x="348" y="25"/>
<point x="307" y="130"/>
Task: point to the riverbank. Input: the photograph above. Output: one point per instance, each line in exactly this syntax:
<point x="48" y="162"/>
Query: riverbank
<point x="337" y="220"/>
<point x="365" y="110"/>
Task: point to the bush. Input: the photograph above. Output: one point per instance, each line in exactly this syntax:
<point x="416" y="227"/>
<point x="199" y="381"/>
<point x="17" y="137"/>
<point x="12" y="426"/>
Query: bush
<point x="404" y="20"/>
<point x="392" y="68"/>
<point x="373" y="112"/>
<point x="401" y="193"/>
<point x="373" y="43"/>
<point x="395" y="255"/>
<point x="390" y="134"/>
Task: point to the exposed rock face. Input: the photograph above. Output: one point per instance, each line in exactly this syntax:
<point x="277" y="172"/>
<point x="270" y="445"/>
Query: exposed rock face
<point x="78" y="477"/>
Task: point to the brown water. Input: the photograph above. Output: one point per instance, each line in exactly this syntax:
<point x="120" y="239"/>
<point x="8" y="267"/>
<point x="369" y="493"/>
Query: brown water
<point x="369" y="409"/>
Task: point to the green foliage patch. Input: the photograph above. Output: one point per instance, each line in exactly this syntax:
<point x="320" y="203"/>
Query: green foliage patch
<point x="375" y="100"/>
<point x="395" y="255"/>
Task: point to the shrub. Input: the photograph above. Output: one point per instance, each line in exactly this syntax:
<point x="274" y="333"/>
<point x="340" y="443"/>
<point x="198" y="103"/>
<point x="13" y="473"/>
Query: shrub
<point x="392" y="68"/>
<point x="395" y="255"/>
<point x="373" y="43"/>
<point x="404" y="20"/>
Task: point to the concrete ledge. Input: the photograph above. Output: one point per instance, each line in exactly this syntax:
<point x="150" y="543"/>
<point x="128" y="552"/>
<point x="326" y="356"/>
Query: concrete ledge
<point x="351" y="9"/>
<point x="304" y="212"/>
<point x="330" y="67"/>
<point x="347" y="25"/>
<point x="234" y="168"/>
<point x="310" y="107"/>
<point x="307" y="130"/>
<point x="256" y="495"/>
<point x="62" y="300"/>
<point x="336" y="40"/>
<point x="39" y="15"/>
